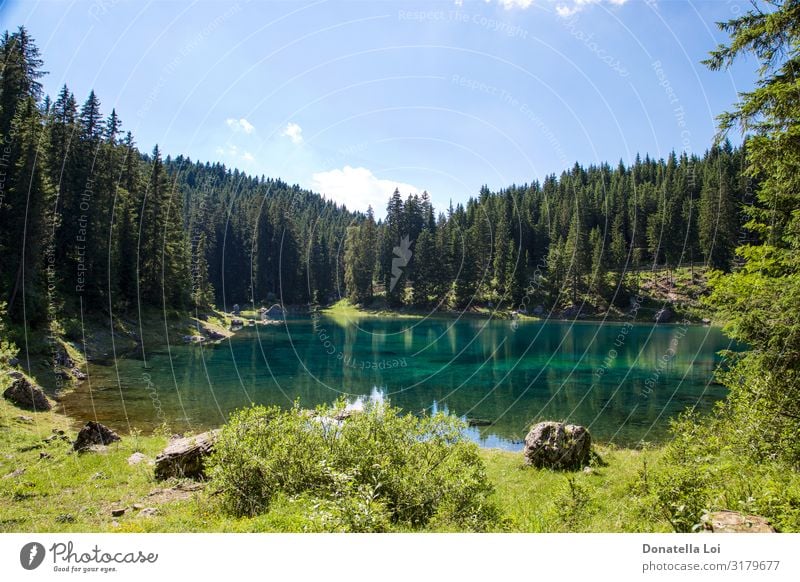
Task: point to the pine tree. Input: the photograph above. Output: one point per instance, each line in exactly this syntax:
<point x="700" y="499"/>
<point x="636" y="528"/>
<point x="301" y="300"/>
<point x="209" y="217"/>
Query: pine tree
<point x="619" y="246"/>
<point x="427" y="265"/>
<point x="598" y="269"/>
<point x="28" y="222"/>
<point x="718" y="222"/>
<point x="759" y="301"/>
<point x="577" y="254"/>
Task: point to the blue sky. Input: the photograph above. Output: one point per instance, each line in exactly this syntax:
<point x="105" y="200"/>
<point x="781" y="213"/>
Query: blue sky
<point x="354" y="98"/>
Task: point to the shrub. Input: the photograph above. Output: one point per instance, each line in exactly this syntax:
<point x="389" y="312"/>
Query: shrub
<point x="375" y="469"/>
<point x="705" y="469"/>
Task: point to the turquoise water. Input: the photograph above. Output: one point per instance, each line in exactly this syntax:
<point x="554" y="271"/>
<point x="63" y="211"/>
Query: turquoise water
<point x="624" y="381"/>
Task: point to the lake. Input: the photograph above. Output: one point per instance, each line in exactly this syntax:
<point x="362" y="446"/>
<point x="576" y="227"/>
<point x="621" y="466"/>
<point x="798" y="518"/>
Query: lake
<point x="624" y="381"/>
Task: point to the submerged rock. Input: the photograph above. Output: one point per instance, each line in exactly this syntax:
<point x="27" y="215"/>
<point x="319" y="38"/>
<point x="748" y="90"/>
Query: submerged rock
<point x="185" y="457"/>
<point x="479" y="422"/>
<point x="554" y="445"/>
<point x="94" y="434"/>
<point x="26" y="394"/>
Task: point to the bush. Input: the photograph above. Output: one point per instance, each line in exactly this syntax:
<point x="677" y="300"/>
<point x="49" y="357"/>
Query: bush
<point x="705" y="469"/>
<point x="375" y="470"/>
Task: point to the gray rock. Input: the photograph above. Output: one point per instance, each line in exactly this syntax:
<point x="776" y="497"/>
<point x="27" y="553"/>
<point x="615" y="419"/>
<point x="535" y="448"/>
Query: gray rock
<point x="136" y="458"/>
<point x="78" y="374"/>
<point x="186" y="457"/>
<point x="571" y="311"/>
<point x="28" y="395"/>
<point x="15" y="473"/>
<point x="94" y="434"/>
<point x="274" y="313"/>
<point x="554" y="445"/>
<point x="664" y="315"/>
<point x="118" y="512"/>
<point x="15" y="374"/>
<point x="148" y="512"/>
<point x="62" y="359"/>
<point x="13" y="362"/>
<point x="23" y="418"/>
<point x="726" y="521"/>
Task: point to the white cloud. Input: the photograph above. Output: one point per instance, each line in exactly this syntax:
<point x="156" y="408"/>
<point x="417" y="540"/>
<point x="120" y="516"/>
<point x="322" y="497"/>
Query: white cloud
<point x="509" y="4"/>
<point x="567" y="11"/>
<point x="240" y="124"/>
<point x="564" y="8"/>
<point x="294" y="132"/>
<point x="358" y="188"/>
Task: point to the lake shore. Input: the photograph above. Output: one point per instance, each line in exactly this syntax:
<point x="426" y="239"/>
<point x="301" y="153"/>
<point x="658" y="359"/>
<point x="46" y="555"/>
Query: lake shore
<point x="46" y="487"/>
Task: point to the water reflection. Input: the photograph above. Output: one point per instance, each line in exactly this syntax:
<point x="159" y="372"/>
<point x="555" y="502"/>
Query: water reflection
<point x="623" y="389"/>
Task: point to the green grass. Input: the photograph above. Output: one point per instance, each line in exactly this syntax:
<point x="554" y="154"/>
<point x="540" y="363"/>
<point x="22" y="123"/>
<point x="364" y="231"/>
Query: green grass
<point x="77" y="492"/>
<point x="345" y="311"/>
<point x="603" y="500"/>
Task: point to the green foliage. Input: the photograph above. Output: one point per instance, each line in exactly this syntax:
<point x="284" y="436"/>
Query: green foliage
<point x="8" y="349"/>
<point x="573" y="504"/>
<point x="759" y="301"/>
<point x="359" y="259"/>
<point x="375" y="468"/>
<point x="702" y="471"/>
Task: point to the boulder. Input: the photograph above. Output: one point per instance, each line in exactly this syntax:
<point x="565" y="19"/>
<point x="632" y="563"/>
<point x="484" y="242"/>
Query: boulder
<point x="664" y="315"/>
<point x="274" y="312"/>
<point x="62" y="359"/>
<point x="186" y="457"/>
<point x="94" y="434"/>
<point x="554" y="445"/>
<point x="726" y="521"/>
<point x="26" y="394"/>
